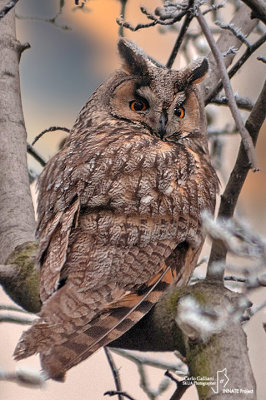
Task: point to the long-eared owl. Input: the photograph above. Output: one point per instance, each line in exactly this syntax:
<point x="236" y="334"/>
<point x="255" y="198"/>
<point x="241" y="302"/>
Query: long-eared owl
<point x="119" y="209"/>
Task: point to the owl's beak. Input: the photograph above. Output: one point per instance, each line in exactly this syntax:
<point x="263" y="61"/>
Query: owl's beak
<point x="162" y="123"/>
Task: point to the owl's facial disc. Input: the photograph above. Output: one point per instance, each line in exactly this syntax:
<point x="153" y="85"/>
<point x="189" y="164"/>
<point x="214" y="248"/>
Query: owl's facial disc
<point x="162" y="110"/>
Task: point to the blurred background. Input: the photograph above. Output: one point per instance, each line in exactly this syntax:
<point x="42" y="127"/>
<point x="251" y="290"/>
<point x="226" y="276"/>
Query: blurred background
<point x="69" y="57"/>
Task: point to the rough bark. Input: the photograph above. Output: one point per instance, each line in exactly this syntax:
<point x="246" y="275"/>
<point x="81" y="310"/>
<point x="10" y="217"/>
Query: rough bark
<point x="17" y="223"/>
<point x="162" y="330"/>
<point x="16" y="215"/>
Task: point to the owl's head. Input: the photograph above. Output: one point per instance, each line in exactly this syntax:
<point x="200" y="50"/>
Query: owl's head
<point x="164" y="101"/>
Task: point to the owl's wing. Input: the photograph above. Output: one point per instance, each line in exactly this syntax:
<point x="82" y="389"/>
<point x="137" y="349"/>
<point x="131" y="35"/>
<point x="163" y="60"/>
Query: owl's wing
<point x="118" y="317"/>
<point x="53" y="248"/>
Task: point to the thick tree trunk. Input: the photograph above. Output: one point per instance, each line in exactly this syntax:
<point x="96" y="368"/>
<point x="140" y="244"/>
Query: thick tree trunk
<point x="17" y="223"/>
<point x="16" y="213"/>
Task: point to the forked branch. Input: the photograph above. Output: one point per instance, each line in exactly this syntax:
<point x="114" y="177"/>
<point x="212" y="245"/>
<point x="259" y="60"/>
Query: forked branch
<point x="236" y="181"/>
<point x="247" y="142"/>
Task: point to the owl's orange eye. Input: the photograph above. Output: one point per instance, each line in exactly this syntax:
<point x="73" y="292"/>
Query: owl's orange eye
<point x="138" y="105"/>
<point x="180" y="112"/>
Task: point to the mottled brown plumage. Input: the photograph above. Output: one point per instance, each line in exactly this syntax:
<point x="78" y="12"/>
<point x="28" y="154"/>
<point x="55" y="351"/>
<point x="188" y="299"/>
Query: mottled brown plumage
<point x="119" y="209"/>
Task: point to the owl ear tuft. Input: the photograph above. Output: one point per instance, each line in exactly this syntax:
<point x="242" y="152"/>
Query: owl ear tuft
<point x="134" y="59"/>
<point x="196" y="71"/>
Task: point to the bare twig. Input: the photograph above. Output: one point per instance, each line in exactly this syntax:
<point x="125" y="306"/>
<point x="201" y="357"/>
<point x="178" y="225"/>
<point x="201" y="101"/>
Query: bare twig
<point x="127" y="25"/>
<point x="175" y="17"/>
<point x="141" y="362"/>
<point x="214" y="7"/>
<point x="15" y="320"/>
<point x="246" y="55"/>
<point x="226" y="39"/>
<point x="242" y="102"/>
<point x="235" y="31"/>
<point x="52" y="20"/>
<point x="22" y="47"/>
<point x="170" y="9"/>
<point x="4" y="307"/>
<point x="122" y="16"/>
<point x="228" y="278"/>
<point x="115" y="372"/>
<point x="177" y="368"/>
<point x="229" y="92"/>
<point x="180" y="37"/>
<point x="51" y="129"/>
<point x="231" y="50"/>
<point x="233" y="278"/>
<point x="237" y="66"/>
<point x="11" y="4"/>
<point x="253" y="310"/>
<point x="35" y="155"/>
<point x="263" y="59"/>
<point x="180" y="389"/>
<point x="114" y="393"/>
<point x="148" y="14"/>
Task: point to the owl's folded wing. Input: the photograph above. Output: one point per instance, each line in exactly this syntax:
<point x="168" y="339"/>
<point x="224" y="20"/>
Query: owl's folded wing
<point x="116" y="319"/>
<point x="53" y="248"/>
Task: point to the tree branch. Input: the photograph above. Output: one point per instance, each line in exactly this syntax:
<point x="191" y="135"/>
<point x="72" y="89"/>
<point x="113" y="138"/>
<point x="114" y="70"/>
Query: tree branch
<point x="169" y="331"/>
<point x="236" y="180"/>
<point x="51" y="129"/>
<point x="250" y="50"/>
<point x="227" y="39"/>
<point x="122" y="16"/>
<point x="175" y="17"/>
<point x="118" y="393"/>
<point x="180" y="389"/>
<point x="17" y="223"/>
<point x="181" y="36"/>
<point x="236" y="32"/>
<point x="16" y="320"/>
<point x="11" y="4"/>
<point x="258" y="8"/>
<point x="115" y="372"/>
<point x="35" y="155"/>
<point x="246" y="139"/>
<point x="242" y="102"/>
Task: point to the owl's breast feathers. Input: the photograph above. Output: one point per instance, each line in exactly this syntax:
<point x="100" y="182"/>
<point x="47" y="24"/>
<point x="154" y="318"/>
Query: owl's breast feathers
<point x="114" y="212"/>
